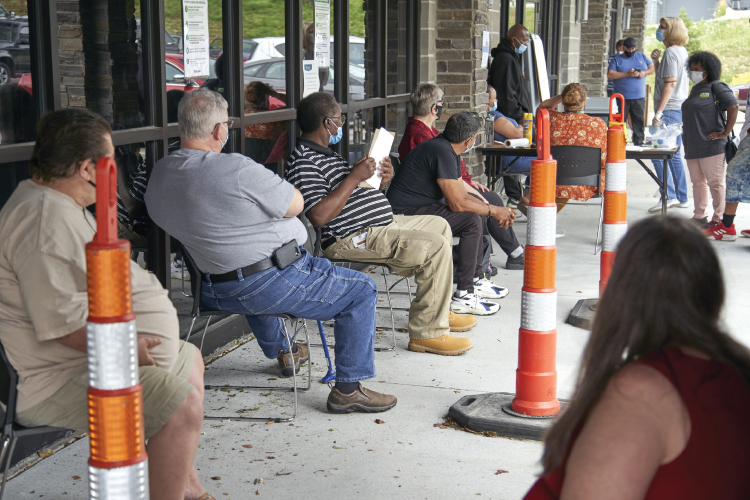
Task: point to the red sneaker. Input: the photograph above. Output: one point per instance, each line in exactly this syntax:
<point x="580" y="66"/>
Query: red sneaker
<point x="721" y="232"/>
<point x="745" y="233"/>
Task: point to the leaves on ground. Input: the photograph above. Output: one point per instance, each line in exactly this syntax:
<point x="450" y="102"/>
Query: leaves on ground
<point x="500" y="471"/>
<point x="378" y="421"/>
<point x="247" y="446"/>
<point x="216" y="478"/>
<point x="47" y="452"/>
<point x="76" y="477"/>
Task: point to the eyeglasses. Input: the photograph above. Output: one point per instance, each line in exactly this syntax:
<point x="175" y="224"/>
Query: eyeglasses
<point x="341" y="118"/>
<point x="228" y="123"/>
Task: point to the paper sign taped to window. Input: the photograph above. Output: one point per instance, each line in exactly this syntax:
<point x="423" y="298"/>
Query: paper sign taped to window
<point x="310" y="77"/>
<point x="380" y="148"/>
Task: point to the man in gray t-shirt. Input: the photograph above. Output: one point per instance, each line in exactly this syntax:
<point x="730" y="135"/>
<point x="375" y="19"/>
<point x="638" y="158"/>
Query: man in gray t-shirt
<point x="238" y="222"/>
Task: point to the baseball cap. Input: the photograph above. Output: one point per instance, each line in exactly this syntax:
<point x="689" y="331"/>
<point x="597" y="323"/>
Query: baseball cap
<point x="629" y="43"/>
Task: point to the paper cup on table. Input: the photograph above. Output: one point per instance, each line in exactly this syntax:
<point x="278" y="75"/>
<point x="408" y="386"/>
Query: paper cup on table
<point x="517" y="143"/>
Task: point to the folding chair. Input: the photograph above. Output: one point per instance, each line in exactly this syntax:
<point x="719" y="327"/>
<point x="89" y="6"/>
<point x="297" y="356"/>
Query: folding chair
<point x="196" y="282"/>
<point x="11" y="430"/>
<point x="580" y="166"/>
<point x="349" y="263"/>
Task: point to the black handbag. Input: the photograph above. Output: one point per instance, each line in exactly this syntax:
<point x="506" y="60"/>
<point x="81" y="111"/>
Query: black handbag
<point x="733" y="142"/>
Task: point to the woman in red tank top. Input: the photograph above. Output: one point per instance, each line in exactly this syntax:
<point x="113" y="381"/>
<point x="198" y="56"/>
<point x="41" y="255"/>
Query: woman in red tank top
<point x="663" y="396"/>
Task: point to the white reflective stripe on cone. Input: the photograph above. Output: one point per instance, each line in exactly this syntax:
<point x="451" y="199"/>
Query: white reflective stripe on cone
<point x="613" y="233"/>
<point x="113" y="355"/>
<point x="541" y="226"/>
<point x="538" y="311"/>
<point x="122" y="483"/>
<point x="615" y="175"/>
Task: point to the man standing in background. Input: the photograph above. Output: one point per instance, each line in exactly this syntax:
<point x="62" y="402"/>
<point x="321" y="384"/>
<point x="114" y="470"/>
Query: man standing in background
<point x="506" y="76"/>
<point x="628" y="73"/>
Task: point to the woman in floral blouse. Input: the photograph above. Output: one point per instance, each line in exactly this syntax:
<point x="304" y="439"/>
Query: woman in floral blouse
<point x="261" y="137"/>
<point x="574" y="128"/>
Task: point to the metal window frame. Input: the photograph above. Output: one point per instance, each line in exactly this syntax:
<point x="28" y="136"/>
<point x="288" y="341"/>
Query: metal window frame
<point x="157" y="132"/>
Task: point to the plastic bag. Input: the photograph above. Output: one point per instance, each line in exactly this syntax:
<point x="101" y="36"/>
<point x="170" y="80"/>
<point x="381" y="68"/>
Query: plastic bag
<point x="664" y="136"/>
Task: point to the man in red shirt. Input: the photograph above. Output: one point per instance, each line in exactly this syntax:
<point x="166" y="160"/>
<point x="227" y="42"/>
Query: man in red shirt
<point x="427" y="102"/>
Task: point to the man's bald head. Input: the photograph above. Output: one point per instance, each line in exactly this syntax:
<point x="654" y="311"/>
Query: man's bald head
<point x="519" y="33"/>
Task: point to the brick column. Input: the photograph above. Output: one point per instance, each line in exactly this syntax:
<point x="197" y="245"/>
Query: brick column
<point x="595" y="47"/>
<point x="637" y="22"/>
<point x="458" y="57"/>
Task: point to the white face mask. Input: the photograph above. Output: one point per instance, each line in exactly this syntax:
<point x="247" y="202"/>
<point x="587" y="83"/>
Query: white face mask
<point x="696" y="77"/>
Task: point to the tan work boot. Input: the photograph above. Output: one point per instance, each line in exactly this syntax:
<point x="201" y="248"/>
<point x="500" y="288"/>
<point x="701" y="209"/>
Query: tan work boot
<point x="461" y="322"/>
<point x="447" y="345"/>
<point x="362" y="400"/>
<point x="285" y="360"/>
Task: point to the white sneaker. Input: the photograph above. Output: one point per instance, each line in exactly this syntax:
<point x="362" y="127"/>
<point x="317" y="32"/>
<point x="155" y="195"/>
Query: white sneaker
<point x="471" y="304"/>
<point x="486" y="289"/>
<point x="670" y="203"/>
<point x="177" y="271"/>
<point x="683" y="204"/>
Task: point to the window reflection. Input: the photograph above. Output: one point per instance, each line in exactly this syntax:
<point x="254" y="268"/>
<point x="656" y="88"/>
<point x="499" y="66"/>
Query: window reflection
<point x="260" y="138"/>
<point x="18" y="114"/>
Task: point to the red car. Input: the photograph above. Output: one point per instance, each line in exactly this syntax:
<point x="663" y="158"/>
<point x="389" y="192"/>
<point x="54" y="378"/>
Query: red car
<point x="175" y="72"/>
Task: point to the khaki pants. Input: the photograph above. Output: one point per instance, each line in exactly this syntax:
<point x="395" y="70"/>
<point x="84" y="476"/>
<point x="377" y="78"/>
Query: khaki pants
<point x="418" y="246"/>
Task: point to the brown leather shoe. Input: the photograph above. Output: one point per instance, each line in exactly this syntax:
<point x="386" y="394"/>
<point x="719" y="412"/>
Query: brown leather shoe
<point x="362" y="400"/>
<point x="285" y="360"/>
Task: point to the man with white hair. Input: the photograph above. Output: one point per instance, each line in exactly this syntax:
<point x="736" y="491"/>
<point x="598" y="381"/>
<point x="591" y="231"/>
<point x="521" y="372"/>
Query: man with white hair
<point x="238" y="221"/>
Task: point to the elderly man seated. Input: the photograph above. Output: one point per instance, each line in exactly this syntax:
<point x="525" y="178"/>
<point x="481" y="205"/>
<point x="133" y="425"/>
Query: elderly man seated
<point x="44" y="228"/>
<point x="426" y="100"/>
<point x="429" y="183"/>
<point x="358" y="224"/>
<point x="238" y="221"/>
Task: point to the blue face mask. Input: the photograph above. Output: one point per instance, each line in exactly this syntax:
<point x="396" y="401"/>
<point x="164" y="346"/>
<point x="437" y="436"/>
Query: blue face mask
<point x="521" y="49"/>
<point x="660" y="34"/>
<point x="494" y="107"/>
<point x="334" y="139"/>
<point x="472" y="145"/>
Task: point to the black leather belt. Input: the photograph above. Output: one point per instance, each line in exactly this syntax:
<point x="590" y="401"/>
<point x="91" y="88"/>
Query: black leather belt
<point x="327" y="243"/>
<point x="281" y="258"/>
<point x="246" y="271"/>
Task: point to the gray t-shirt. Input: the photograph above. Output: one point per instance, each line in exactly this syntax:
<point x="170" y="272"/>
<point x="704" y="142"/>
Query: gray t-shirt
<point x="700" y="117"/>
<point x="672" y="65"/>
<point x="226" y="209"/>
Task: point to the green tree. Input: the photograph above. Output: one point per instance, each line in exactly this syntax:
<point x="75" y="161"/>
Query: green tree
<point x="694" y="32"/>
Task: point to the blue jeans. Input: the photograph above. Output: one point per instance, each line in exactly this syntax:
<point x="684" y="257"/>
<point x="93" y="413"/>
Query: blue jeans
<point x="677" y="180"/>
<point x="310" y="288"/>
<point x="522" y="165"/>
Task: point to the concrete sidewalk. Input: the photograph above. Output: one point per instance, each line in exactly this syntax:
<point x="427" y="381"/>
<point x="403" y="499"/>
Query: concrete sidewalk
<point x="322" y="456"/>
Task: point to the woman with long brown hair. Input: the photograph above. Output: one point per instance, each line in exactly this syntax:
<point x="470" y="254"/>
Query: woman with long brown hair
<point x="660" y="411"/>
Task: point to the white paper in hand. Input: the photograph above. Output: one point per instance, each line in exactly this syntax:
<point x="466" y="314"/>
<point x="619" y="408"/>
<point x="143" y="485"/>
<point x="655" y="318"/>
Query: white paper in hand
<point x="380" y="148"/>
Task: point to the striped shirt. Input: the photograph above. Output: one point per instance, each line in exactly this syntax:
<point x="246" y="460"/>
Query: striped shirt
<point x="138" y="182"/>
<point x="316" y="171"/>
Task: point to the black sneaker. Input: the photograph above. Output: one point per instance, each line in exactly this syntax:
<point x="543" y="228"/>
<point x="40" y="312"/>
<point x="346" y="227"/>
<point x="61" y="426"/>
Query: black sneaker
<point x="515" y="263"/>
<point x="701" y="223"/>
<point x="512" y="202"/>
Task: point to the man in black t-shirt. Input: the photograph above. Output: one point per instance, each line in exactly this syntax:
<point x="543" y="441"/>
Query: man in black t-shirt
<point x="358" y="224"/>
<point x="429" y="183"/>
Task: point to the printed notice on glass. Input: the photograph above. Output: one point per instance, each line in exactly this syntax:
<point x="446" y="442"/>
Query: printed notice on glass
<point x="323" y="33"/>
<point x="485" y="48"/>
<point x="195" y="29"/>
<point x="310" y="77"/>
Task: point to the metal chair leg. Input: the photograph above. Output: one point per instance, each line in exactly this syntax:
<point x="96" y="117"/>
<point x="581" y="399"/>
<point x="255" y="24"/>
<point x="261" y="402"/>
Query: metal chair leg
<point x="203" y="337"/>
<point x="7" y="464"/>
<point x="190" y="331"/>
<point x="393" y="321"/>
<point x="295" y="386"/>
<point x="408" y="288"/>
<point x="599" y="229"/>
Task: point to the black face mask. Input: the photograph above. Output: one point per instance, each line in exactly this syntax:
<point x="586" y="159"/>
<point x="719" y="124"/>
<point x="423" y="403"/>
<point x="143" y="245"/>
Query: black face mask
<point x="439" y="111"/>
<point x="629" y="54"/>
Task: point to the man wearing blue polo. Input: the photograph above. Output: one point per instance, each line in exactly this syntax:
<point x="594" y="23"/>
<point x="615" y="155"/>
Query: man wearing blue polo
<point x="628" y="73"/>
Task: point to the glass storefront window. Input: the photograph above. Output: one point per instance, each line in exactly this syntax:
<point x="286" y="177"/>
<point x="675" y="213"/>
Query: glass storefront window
<point x="18" y="114"/>
<point x="309" y="37"/>
<point x="363" y="39"/>
<point x="396" y="47"/>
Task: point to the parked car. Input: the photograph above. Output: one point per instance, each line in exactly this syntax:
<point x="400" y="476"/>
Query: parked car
<point x="273" y="72"/>
<point x="217" y="48"/>
<point x="356" y="49"/>
<point x="15" y="53"/>
<point x="175" y="72"/>
<point x="4" y="12"/>
<point x="172" y="43"/>
<point x="741" y="94"/>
